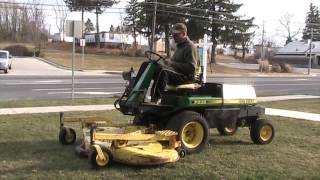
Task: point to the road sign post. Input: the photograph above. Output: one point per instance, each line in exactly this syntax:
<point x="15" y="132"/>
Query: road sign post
<point x="82" y="44"/>
<point x="73" y="52"/>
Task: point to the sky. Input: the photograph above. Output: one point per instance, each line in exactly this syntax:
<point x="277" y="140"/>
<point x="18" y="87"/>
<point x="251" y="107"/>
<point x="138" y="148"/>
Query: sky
<point x="267" y="11"/>
<point x="270" y="11"/>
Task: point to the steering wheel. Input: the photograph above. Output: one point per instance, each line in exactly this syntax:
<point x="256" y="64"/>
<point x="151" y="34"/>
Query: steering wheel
<point x="149" y="56"/>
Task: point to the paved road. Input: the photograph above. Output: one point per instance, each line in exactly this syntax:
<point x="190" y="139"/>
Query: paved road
<point x="55" y="87"/>
<point x="53" y="83"/>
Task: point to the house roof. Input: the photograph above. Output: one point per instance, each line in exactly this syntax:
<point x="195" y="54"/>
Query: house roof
<point x="299" y="48"/>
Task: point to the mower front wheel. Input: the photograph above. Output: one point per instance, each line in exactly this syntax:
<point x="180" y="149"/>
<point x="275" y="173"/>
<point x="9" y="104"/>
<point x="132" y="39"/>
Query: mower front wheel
<point x="261" y="132"/>
<point x="193" y="130"/>
<point x="67" y="136"/>
<point x="96" y="162"/>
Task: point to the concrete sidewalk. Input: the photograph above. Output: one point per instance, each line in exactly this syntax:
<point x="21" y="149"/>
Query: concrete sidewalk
<point x="286" y="97"/>
<point x="302" y="71"/>
<point x="293" y="114"/>
<point x="55" y="109"/>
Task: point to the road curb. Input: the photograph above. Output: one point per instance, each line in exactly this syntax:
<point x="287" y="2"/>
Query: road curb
<point x="54" y="64"/>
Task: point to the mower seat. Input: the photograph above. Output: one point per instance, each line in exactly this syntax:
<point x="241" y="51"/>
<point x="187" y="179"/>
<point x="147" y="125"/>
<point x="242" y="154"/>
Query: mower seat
<point x="187" y="87"/>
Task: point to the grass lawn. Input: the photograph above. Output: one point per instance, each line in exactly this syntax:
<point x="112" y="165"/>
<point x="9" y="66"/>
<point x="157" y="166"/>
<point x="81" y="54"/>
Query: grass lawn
<point x="94" y="62"/>
<point x="305" y="105"/>
<point x="29" y="149"/>
<point x="118" y="63"/>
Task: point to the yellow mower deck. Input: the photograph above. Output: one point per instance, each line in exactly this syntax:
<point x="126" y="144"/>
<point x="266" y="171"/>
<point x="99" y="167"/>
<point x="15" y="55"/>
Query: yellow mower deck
<point x="103" y="144"/>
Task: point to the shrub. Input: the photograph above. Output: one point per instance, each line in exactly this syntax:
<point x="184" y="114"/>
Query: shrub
<point x="276" y="68"/>
<point x="140" y="53"/>
<point x="131" y="52"/>
<point x="19" y="50"/>
<point x="220" y="51"/>
<point x="286" y="68"/>
<point x="249" y="60"/>
<point x="264" y="66"/>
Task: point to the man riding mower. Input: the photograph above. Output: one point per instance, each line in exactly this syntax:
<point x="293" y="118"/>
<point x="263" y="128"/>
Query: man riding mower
<point x="191" y="109"/>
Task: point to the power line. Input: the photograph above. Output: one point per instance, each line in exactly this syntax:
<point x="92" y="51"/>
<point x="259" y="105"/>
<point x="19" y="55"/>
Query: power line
<point x="189" y="8"/>
<point x="49" y="5"/>
<point x="212" y="20"/>
<point x="60" y="10"/>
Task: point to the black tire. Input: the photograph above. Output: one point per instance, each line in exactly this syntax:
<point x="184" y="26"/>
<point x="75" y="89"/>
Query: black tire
<point x="95" y="162"/>
<point x="227" y="131"/>
<point x="67" y="136"/>
<point x="182" y="123"/>
<point x="262" y="132"/>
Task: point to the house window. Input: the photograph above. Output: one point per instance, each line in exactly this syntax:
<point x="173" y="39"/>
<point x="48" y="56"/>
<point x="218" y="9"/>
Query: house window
<point x="111" y="35"/>
<point x="103" y="35"/>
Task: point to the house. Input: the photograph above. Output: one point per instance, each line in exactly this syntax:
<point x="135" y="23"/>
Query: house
<point x="298" y="54"/>
<point x="113" y="39"/>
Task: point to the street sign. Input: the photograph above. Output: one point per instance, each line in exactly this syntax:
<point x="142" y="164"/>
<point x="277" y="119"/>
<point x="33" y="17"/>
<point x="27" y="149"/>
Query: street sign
<point x="82" y="42"/>
<point x="73" y="28"/>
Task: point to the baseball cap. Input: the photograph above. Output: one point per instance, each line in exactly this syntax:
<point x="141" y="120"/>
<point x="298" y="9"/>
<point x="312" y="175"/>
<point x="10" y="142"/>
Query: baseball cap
<point x="178" y="28"/>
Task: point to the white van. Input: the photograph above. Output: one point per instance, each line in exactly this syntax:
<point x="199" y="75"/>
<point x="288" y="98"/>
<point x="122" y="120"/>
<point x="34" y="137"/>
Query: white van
<point x="5" y="61"/>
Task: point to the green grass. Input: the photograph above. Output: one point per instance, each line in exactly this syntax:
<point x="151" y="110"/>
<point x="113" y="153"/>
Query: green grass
<point x="122" y="63"/>
<point x="29" y="149"/>
<point x="305" y="105"/>
<point x="55" y="102"/>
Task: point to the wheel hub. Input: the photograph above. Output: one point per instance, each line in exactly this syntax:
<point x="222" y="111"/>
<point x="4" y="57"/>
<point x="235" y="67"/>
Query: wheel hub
<point x="192" y="134"/>
<point x="266" y="133"/>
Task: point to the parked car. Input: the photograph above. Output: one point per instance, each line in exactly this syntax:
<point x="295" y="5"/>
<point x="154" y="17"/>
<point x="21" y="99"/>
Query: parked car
<point x="5" y="61"/>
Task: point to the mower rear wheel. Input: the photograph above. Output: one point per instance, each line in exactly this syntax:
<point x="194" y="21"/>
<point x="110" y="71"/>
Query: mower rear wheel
<point x="227" y="131"/>
<point x="67" y="136"/>
<point x="262" y="132"/>
<point x="193" y="130"/>
<point x="96" y="162"/>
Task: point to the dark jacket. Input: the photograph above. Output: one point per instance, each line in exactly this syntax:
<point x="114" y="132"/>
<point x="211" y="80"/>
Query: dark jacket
<point x="184" y="59"/>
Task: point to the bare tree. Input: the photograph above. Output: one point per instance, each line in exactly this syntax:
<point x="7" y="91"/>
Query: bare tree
<point x="286" y="23"/>
<point x="61" y="14"/>
<point x="22" y="22"/>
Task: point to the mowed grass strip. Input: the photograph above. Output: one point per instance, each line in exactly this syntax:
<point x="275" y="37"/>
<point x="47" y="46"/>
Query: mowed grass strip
<point x="29" y="149"/>
<point x="56" y="102"/>
<point x="304" y="105"/>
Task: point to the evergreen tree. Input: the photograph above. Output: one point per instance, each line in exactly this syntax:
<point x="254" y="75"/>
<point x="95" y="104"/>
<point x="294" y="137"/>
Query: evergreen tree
<point x="88" y="26"/>
<point x="118" y="29"/>
<point x="216" y="20"/>
<point x="313" y="16"/>
<point x="131" y="19"/>
<point x="140" y="16"/>
<point x="85" y="5"/>
<point x="111" y="30"/>
<point x="80" y="5"/>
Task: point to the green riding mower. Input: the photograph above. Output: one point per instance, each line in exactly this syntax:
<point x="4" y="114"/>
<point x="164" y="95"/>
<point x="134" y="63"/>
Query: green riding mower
<point x="192" y="109"/>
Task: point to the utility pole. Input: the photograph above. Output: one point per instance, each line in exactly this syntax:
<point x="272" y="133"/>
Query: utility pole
<point x="262" y="43"/>
<point x="153" y="25"/>
<point x="82" y="33"/>
<point x="310" y="55"/>
<point x="97" y="26"/>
